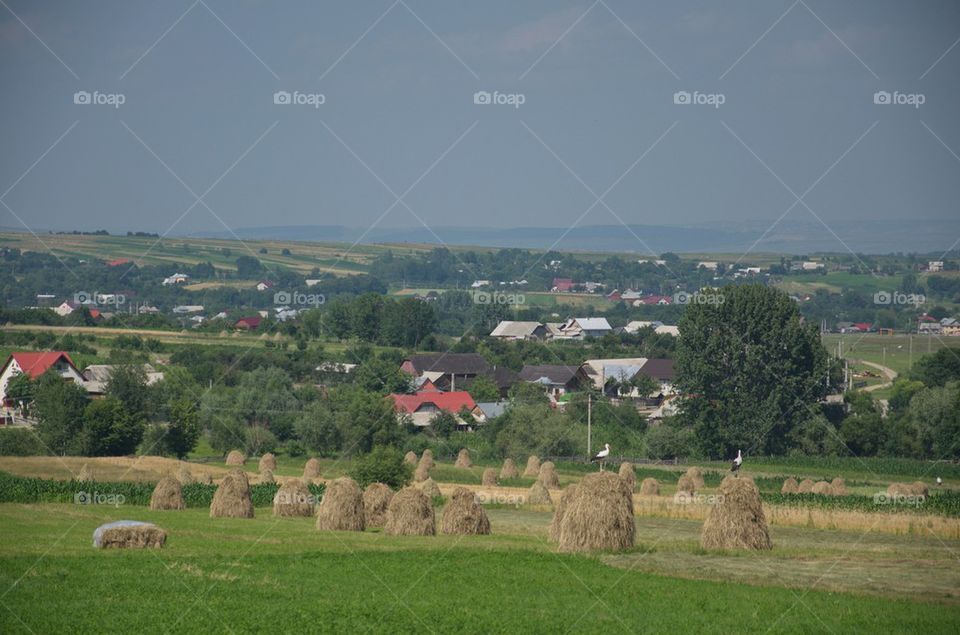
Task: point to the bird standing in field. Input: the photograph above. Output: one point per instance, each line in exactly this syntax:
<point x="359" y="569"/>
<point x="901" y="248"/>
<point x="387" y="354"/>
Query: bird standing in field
<point x="737" y="462"/>
<point x="602" y="455"/>
<point x="939" y="481"/>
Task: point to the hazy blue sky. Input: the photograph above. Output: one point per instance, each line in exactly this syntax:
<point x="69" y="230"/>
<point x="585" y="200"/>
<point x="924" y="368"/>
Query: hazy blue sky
<point x="598" y="80"/>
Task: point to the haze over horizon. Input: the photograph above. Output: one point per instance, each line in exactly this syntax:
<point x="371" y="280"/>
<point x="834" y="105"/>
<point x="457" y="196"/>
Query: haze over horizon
<point x="595" y="131"/>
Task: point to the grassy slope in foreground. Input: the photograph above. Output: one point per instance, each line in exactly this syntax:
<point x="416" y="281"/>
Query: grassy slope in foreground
<point x="264" y="574"/>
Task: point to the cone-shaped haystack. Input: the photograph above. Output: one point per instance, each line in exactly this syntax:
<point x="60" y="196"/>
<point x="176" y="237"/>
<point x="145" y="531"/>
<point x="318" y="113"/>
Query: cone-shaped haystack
<point x="232" y="498"/>
<point x="838" y="487"/>
<point x="463" y="515"/>
<point x="650" y="487"/>
<point x="599" y="515"/>
<point x="920" y="488"/>
<point x="421" y="474"/>
<point x="410" y="513"/>
<point x="489" y="478"/>
<point x="737" y="521"/>
<point x="341" y="508"/>
<point x="236" y="458"/>
<point x="789" y="486"/>
<point x="538" y="495"/>
<point x="686" y="484"/>
<point x="167" y="494"/>
<point x="430" y="488"/>
<point x="628" y="475"/>
<point x="821" y="487"/>
<point x="184" y="475"/>
<point x="533" y="467"/>
<point x="86" y="474"/>
<point x="267" y="462"/>
<point x="293" y="499"/>
<point x="410" y="457"/>
<point x="565" y="499"/>
<point x="696" y="474"/>
<point x="463" y="459"/>
<point x="805" y="486"/>
<point x="206" y="479"/>
<point x="548" y="476"/>
<point x="426" y="459"/>
<point x="376" y="499"/>
<point x="509" y="470"/>
<point x="311" y="469"/>
<point x="266" y="476"/>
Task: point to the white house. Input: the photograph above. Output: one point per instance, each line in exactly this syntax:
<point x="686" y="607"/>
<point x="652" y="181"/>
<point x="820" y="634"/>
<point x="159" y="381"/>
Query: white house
<point x="177" y="278"/>
<point x="188" y="308"/>
<point x="65" y="308"/>
<point x="36" y="364"/>
<point x="584" y="327"/>
<point x="513" y="330"/>
<point x="934" y="266"/>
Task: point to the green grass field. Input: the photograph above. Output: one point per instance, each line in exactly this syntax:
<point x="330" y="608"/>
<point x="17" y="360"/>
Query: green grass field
<point x="264" y="574"/>
<point x="892" y="351"/>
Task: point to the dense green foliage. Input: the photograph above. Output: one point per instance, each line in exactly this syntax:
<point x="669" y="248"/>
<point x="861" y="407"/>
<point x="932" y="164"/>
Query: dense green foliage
<point x="382" y="465"/>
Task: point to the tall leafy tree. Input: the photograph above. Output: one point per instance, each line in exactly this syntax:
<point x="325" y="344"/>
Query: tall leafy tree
<point x="59" y="406"/>
<point x="109" y="429"/>
<point x="750" y="370"/>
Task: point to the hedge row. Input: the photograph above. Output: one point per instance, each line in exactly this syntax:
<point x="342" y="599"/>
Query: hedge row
<point x="20" y="489"/>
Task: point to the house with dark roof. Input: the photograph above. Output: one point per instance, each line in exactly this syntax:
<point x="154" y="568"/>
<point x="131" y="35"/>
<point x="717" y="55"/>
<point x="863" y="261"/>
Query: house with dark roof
<point x="446" y="368"/>
<point x="557" y="379"/>
<point x="512" y="330"/>
<point x="604" y="373"/>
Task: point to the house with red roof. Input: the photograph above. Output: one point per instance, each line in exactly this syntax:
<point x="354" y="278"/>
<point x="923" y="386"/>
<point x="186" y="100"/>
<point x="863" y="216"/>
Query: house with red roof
<point x="422" y="406"/>
<point x="563" y="285"/>
<point x="118" y="262"/>
<point x="250" y="323"/>
<point x="35" y="364"/>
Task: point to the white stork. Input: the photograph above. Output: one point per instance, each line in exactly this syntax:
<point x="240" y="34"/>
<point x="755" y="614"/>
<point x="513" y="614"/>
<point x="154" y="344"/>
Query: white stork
<point x="939" y="481"/>
<point x="737" y="462"/>
<point x="602" y="455"/>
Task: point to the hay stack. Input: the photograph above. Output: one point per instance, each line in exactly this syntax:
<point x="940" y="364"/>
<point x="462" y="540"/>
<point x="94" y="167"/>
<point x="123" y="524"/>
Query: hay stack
<point x="650" y="487"/>
<point x="129" y="534"/>
<point x="838" y="487"/>
<point x="509" y="470"/>
<point x="628" y="475"/>
<point x="184" y="475"/>
<point x="533" y="467"/>
<point x="86" y="474"/>
<point x="789" y="486"/>
<point x="599" y="515"/>
<point x="489" y="478"/>
<point x="232" y="498"/>
<point x="538" y="495"/>
<point x="430" y="489"/>
<point x="421" y="474"/>
<point x="167" y="494"/>
<point x="311" y="469"/>
<point x="464" y="516"/>
<point x="548" y="476"/>
<point x="293" y="499"/>
<point x="206" y="479"/>
<point x="463" y="459"/>
<point x="376" y="499"/>
<point x="426" y="459"/>
<point x="562" y="506"/>
<point x="686" y="484"/>
<point x="899" y="489"/>
<point x="920" y="489"/>
<point x="696" y="474"/>
<point x="821" y="487"/>
<point x="341" y="508"/>
<point x="410" y="513"/>
<point x="805" y="486"/>
<point x="410" y="457"/>
<point x="235" y="458"/>
<point x="266" y="476"/>
<point x="267" y="462"/>
<point x="737" y="521"/>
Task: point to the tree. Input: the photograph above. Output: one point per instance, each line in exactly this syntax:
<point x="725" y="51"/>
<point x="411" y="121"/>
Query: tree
<point x="750" y="369"/>
<point x="317" y="429"/>
<point x="937" y="369"/>
<point x="484" y="389"/>
<point x="109" y="429"/>
<point x="128" y="385"/>
<point x="935" y="417"/>
<point x="535" y="429"/>
<point x="382" y="465"/>
<point x="20" y="389"/>
<point x="248" y="267"/>
<point x="183" y="431"/>
<point x="443" y="424"/>
<point x="59" y="405"/>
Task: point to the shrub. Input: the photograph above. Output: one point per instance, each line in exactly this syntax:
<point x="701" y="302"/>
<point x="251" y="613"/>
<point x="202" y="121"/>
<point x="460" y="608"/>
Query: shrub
<point x="382" y="465"/>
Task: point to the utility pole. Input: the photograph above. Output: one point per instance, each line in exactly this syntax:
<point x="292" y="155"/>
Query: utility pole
<point x="911" y="352"/>
<point x="589" y="414"/>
